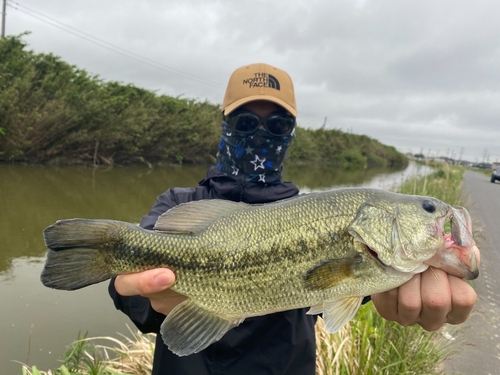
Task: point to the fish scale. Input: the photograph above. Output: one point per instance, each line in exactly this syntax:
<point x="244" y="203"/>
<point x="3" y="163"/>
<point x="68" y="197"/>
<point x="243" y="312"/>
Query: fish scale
<point x="234" y="260"/>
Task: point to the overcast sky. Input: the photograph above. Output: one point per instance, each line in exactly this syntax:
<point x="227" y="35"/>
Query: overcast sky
<point x="418" y="75"/>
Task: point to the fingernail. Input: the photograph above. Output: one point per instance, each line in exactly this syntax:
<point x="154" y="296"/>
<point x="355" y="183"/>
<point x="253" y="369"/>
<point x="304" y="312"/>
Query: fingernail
<point x="163" y="280"/>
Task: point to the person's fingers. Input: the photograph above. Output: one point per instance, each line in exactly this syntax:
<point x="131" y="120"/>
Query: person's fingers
<point x="144" y="283"/>
<point x="401" y="305"/>
<point x="436" y="299"/>
<point x="165" y="302"/>
<point x="386" y="304"/>
<point x="409" y="301"/>
<point x="430" y="299"/>
<point x="463" y="299"/>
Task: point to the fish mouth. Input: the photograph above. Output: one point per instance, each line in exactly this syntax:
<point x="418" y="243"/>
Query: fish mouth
<point x="460" y="256"/>
<point x="373" y="253"/>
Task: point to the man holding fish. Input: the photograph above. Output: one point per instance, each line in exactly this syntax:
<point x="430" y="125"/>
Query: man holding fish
<point x="430" y="299"/>
<point x="259" y="112"/>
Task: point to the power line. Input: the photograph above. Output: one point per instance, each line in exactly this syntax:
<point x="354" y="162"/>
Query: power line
<point x="102" y="43"/>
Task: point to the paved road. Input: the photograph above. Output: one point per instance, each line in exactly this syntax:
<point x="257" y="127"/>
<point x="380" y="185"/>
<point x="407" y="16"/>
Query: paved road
<point x="478" y="340"/>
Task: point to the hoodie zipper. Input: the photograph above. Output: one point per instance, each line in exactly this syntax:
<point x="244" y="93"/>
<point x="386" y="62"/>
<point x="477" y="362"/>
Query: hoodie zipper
<point x="242" y="187"/>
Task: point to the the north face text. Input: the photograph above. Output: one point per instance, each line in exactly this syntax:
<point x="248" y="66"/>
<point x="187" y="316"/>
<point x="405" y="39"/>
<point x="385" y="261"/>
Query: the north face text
<point x="262" y="80"/>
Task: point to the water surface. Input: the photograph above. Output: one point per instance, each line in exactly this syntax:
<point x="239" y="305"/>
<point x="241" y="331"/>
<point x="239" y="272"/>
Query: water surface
<point x="37" y="323"/>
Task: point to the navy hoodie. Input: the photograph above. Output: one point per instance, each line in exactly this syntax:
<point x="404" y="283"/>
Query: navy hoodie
<point x="281" y="343"/>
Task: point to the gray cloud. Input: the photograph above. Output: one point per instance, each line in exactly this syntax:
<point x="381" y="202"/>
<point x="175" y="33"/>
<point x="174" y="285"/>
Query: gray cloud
<point x="416" y="75"/>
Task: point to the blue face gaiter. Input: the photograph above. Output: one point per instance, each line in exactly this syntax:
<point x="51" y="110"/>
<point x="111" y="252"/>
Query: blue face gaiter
<point x="256" y="157"/>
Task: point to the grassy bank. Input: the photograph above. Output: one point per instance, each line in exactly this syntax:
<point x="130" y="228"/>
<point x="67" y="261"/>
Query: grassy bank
<point x="368" y="345"/>
<point x="54" y="112"/>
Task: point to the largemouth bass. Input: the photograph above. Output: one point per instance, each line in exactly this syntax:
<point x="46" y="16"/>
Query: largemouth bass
<point x="234" y="260"/>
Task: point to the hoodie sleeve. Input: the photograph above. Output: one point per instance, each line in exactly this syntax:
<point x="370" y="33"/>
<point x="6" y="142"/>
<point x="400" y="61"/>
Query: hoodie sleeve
<point x="138" y="308"/>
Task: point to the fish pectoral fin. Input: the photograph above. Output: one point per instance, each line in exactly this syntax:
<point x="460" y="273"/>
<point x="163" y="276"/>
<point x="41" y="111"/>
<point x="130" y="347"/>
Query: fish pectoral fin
<point x="332" y="272"/>
<point x="194" y="217"/>
<point x="336" y="313"/>
<point x="189" y="328"/>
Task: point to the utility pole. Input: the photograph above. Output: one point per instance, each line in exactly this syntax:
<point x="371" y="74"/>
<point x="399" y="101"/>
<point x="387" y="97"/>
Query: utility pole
<point x="461" y="153"/>
<point x="486" y="155"/>
<point x="4" y="6"/>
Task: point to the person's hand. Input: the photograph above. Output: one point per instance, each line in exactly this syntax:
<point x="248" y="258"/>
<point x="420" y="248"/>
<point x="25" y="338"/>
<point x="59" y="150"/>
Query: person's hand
<point x="153" y="284"/>
<point x="429" y="299"/>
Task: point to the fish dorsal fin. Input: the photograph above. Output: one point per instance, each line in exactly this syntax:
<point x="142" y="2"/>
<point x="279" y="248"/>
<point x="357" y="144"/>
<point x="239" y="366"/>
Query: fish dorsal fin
<point x="332" y="272"/>
<point x="337" y="313"/>
<point x="194" y="217"/>
<point x="189" y="329"/>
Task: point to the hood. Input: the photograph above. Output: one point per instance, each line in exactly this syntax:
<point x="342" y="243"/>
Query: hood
<point x="227" y="187"/>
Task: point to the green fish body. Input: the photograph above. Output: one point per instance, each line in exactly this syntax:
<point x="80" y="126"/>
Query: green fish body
<point x="234" y="260"/>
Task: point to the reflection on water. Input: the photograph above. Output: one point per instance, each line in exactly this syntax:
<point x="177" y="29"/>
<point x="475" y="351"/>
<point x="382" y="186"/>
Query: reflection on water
<point x="37" y="323"/>
<point x="376" y="178"/>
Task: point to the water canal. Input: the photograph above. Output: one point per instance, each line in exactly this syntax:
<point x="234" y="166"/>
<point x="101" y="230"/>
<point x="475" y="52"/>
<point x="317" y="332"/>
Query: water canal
<point x="36" y="323"/>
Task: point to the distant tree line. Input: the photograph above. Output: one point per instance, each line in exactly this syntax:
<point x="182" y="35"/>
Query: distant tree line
<point x="54" y="112"/>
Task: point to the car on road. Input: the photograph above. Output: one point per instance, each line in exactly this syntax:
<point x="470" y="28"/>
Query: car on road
<point x="495" y="175"/>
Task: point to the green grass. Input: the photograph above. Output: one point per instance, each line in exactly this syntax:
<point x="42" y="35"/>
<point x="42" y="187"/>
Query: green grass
<point x="371" y="345"/>
<point x="444" y="183"/>
<point x="90" y="356"/>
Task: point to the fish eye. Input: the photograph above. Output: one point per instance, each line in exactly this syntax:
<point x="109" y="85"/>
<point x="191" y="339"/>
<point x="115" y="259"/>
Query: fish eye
<point x="429" y="206"/>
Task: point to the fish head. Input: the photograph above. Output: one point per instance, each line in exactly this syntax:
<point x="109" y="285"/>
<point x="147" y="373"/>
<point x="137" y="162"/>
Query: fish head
<point x="460" y="255"/>
<point x="408" y="234"/>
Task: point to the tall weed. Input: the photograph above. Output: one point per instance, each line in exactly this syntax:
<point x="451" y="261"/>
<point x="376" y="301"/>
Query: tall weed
<point x="53" y="112"/>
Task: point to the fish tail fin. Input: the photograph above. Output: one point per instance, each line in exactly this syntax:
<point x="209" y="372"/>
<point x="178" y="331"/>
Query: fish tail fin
<point x="79" y="233"/>
<point x="79" y="253"/>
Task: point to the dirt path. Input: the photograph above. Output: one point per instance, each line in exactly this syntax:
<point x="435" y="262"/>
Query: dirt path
<point x="478" y="340"/>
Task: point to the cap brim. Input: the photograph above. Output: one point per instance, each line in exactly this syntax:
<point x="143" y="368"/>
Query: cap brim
<point x="231" y="107"/>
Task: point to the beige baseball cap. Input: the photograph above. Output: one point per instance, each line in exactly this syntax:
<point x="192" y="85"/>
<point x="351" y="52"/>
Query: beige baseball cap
<point x="259" y="82"/>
